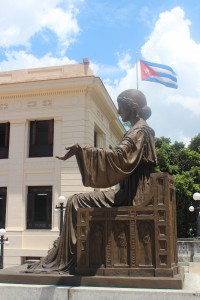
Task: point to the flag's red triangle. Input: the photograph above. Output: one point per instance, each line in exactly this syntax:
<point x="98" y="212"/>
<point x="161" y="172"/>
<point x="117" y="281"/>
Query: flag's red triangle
<point x="146" y="71"/>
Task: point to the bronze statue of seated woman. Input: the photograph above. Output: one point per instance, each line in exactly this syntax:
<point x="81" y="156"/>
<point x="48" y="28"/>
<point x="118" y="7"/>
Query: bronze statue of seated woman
<point x="129" y="164"/>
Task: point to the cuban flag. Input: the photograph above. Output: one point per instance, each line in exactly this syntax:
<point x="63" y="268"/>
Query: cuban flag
<point x="158" y="73"/>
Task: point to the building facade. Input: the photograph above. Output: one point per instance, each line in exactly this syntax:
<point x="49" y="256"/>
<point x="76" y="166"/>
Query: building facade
<point x="41" y="112"/>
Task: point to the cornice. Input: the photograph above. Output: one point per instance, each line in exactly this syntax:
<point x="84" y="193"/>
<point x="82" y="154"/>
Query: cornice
<point x="42" y="94"/>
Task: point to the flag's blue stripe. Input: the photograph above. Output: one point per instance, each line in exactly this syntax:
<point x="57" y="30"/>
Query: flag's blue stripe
<point x="160" y="74"/>
<point x="159" y="66"/>
<point x="171" y="85"/>
<point x="161" y="70"/>
<point x="168" y="84"/>
<point x="163" y="79"/>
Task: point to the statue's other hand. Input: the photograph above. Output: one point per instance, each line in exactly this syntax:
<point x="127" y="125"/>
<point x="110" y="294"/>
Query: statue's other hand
<point x="71" y="151"/>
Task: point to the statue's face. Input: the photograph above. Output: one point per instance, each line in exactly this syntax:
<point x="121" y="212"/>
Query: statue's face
<point x="124" y="112"/>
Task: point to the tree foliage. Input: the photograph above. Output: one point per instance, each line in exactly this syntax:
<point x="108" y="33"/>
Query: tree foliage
<point x="183" y="163"/>
<point x="195" y="143"/>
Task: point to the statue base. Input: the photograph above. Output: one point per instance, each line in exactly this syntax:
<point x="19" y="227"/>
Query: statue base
<point x="18" y="275"/>
<point x="131" y="241"/>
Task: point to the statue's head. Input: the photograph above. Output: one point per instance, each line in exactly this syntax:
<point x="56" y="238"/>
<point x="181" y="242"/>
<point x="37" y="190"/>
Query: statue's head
<point x="134" y="101"/>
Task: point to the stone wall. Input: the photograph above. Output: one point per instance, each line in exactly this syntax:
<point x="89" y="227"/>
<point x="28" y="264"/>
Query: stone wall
<point x="188" y="250"/>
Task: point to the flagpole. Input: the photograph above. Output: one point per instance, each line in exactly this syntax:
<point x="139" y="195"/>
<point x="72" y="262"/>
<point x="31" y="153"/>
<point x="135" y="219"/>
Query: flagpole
<point x="136" y="58"/>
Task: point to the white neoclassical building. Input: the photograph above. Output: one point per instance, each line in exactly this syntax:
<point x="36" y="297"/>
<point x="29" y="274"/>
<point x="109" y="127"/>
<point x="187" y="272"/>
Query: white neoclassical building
<point x="41" y="112"/>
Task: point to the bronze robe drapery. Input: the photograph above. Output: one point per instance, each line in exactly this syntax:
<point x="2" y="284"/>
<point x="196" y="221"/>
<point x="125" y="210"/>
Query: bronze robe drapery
<point x="129" y="165"/>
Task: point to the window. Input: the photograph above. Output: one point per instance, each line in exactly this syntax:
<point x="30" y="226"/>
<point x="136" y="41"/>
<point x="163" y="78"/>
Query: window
<point x="95" y="138"/>
<point x="4" y="139"/>
<point x="39" y="207"/>
<point x="99" y="138"/>
<point x="41" y="138"/>
<point x="29" y="259"/>
<point x="3" y="194"/>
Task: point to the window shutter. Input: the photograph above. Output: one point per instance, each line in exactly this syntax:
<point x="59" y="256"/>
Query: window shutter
<point x="50" y="132"/>
<point x="3" y="195"/>
<point x="33" y="132"/>
<point x="49" y="210"/>
<point x="7" y="134"/>
<point x="30" y="210"/>
<point x="95" y="139"/>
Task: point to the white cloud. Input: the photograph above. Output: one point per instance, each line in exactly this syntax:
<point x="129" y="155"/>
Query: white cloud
<point x="124" y="61"/>
<point x="64" y="24"/>
<point x="171" y="39"/>
<point x="171" y="43"/>
<point x="26" y="18"/>
<point x="190" y="103"/>
<point x="21" y="60"/>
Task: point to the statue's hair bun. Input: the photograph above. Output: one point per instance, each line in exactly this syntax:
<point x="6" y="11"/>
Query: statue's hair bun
<point x="145" y="112"/>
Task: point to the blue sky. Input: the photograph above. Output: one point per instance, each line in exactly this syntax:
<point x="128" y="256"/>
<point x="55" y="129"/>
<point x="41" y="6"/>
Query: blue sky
<point x="36" y="33"/>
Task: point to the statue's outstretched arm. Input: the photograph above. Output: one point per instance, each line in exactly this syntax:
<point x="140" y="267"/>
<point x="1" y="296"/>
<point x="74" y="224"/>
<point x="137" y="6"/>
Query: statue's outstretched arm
<point x="72" y="150"/>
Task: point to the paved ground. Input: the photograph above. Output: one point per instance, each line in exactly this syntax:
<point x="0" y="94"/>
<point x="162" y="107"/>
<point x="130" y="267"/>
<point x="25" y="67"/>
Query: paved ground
<point x="192" y="277"/>
<point x="191" y="290"/>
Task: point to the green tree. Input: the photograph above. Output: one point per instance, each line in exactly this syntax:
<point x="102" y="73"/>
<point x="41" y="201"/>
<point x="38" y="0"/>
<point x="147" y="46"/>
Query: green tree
<point x="195" y="143"/>
<point x="183" y="163"/>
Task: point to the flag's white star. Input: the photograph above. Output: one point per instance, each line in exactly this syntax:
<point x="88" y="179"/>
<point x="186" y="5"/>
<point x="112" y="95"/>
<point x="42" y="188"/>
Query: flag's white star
<point x="146" y="70"/>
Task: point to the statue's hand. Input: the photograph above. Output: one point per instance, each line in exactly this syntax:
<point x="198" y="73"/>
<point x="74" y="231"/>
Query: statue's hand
<point x="72" y="150"/>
